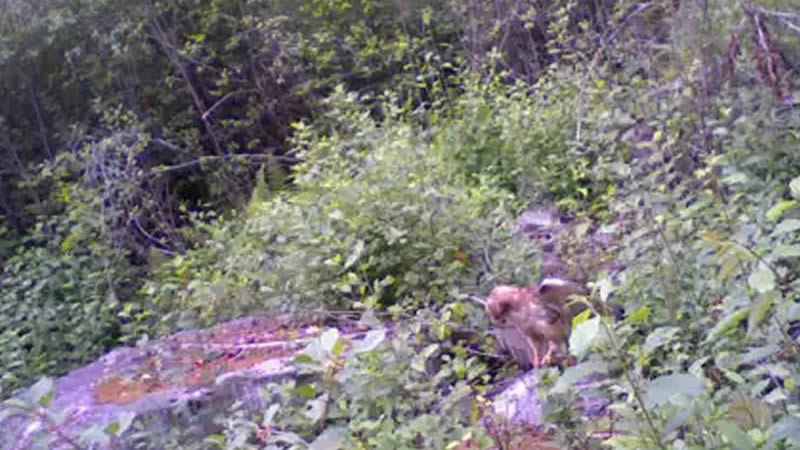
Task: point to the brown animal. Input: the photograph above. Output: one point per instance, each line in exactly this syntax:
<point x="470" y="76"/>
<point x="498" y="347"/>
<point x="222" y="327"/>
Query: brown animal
<point x="535" y="313"/>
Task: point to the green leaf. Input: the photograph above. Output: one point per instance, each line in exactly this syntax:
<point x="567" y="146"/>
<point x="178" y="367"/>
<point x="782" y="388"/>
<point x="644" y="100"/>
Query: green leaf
<point x="42" y="391"/>
<point x="735" y="436"/>
<point x="787" y="251"/>
<point x="329" y="339"/>
<point x="787" y="226"/>
<point x="316" y="408"/>
<point x="580" y="340"/>
<point x="358" y="249"/>
<point x="660" y="336"/>
<point x="762" y="280"/>
<point x="582" y="317"/>
<point x="370" y="342"/>
<point x="660" y="390"/>
<point x="576" y="373"/>
<point x="95" y="435"/>
<point x="794" y="188"/>
<point x="759" y="311"/>
<point x="727" y="323"/>
<point x="778" y="210"/>
<point x="786" y="428"/>
<point x="332" y="438"/>
<point x="305" y="391"/>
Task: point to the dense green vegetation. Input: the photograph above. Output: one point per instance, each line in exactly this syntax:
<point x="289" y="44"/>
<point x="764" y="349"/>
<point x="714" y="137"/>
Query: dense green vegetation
<point x="175" y="164"/>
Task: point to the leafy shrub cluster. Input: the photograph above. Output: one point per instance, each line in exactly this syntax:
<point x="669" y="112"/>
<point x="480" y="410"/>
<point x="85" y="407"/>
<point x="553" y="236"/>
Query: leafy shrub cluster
<point x="406" y="181"/>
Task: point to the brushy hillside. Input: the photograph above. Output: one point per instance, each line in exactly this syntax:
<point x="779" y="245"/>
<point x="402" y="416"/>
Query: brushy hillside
<point x="175" y="164"/>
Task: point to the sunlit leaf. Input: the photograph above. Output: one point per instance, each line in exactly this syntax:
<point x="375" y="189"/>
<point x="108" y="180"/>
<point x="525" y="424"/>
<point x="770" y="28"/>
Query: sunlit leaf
<point x="794" y="188"/>
<point x="355" y="254"/>
<point x="778" y="210"/>
<point x="728" y="323"/>
<point x="370" y="342"/>
<point x="762" y="280"/>
<point x="329" y="339"/>
<point x="581" y="338"/>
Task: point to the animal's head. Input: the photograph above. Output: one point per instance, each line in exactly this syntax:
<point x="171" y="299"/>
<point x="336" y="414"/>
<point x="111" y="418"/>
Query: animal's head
<point x="505" y="298"/>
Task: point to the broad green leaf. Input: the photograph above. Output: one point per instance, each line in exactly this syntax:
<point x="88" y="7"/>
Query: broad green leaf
<point x="786" y="428"/>
<point x="662" y="388"/>
<point x="759" y="353"/>
<point x="329" y="339"/>
<point x="778" y="210"/>
<point x="762" y="280"/>
<point x="576" y="373"/>
<point x="370" y="342"/>
<point x="316" y="408"/>
<point x="794" y="188"/>
<point x="582" y="317"/>
<point x="305" y="390"/>
<point x="759" y="311"/>
<point x="641" y="315"/>
<point x="787" y="251"/>
<point x="95" y="435"/>
<point x="581" y="338"/>
<point x="787" y="226"/>
<point x="660" y="336"/>
<point x="727" y="323"/>
<point x="735" y="436"/>
<point x="332" y="438"/>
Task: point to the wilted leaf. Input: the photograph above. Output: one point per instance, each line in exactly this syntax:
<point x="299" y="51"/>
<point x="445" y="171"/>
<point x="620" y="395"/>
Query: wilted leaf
<point x="581" y="338"/>
<point x="749" y="413"/>
<point x="662" y="388"/>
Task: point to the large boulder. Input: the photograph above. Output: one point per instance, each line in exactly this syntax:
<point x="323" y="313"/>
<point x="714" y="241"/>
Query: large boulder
<point x="183" y="379"/>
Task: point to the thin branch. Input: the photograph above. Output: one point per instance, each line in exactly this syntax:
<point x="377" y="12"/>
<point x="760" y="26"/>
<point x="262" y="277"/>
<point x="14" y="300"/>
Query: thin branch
<point x="249" y="157"/>
<point x="223" y="100"/>
<point x="153" y="239"/>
